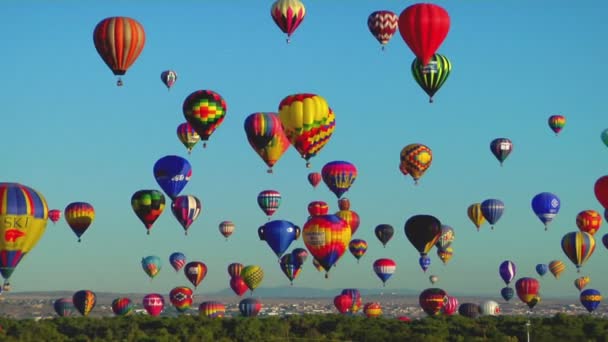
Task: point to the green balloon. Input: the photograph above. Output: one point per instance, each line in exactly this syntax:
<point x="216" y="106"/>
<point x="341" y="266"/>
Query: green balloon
<point x="604" y="136"/>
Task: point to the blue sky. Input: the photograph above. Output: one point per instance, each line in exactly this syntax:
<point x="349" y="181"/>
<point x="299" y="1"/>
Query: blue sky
<point x="70" y="133"/>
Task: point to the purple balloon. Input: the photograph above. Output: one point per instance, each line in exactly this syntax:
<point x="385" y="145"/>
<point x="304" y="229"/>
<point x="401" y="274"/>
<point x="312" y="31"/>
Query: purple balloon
<point x="507" y="271"/>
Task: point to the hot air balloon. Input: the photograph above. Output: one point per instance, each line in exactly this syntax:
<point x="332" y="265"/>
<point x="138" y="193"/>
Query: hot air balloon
<point x="446" y="238"/>
<point x="416" y="159"/>
<point x="212" y="309"/>
<point x="470" y="310"/>
<point x="119" y="41"/>
<point x="169" y="77"/>
<point x="317" y="265"/>
<point x="404" y="319"/>
<point x="172" y="174"/>
<point x="507" y="271"/>
<point x="154" y="304"/>
<point x="604" y="136"/>
<point x="476" y="215"/>
<point x="527" y="290"/>
<point x="290" y="266"/>
<point x="425" y="262"/>
<point x="266" y="136"/>
<point x="373" y="309"/>
<point x="423" y="231"/>
<point x="424" y="27"/>
<point x="445" y="255"/>
<point x="317" y="208"/>
<point x="343" y="303"/>
<point x="314" y="178"/>
<point x="226" y="228"/>
<point x="195" y="272"/>
<point x="269" y="201"/>
<point x="581" y="282"/>
<point x="181" y="298"/>
<point x="177" y="260"/>
<point x="590" y="299"/>
<point x="546" y="206"/>
<point x="237" y="284"/>
<point x="79" y="216"/>
<point x="605" y="240"/>
<point x="557" y="123"/>
<point x="382" y="25"/>
<point x="64" y="307"/>
<point x="24" y="214"/>
<point x="187" y="136"/>
<point x="151" y="265"/>
<point x="601" y="190"/>
<point x="492" y="210"/>
<point x="557" y="268"/>
<point x="356" y="296"/>
<point x="148" y="205"/>
<point x="432" y="76"/>
<point x="288" y="15"/>
<point x="357" y="248"/>
<point x="578" y="247"/>
<point x="542" y="269"/>
<point x="300" y="254"/>
<point x="279" y="234"/>
<point x="186" y="209"/>
<point x="250" y="307"/>
<point x="432" y="301"/>
<point x="308" y="123"/>
<point x="252" y="276"/>
<point x="501" y="148"/>
<point x="339" y="176"/>
<point x="589" y="221"/>
<point x="54" y="215"/>
<point x="122" y="306"/>
<point x="351" y="218"/>
<point x="326" y="237"/>
<point x="84" y="301"/>
<point x="451" y="306"/>
<point x="384" y="269"/>
<point x="489" y="308"/>
<point x="205" y="110"/>
<point x="507" y="293"/>
<point x="384" y="233"/>
<point x="433" y="279"/>
<point x="234" y="269"/>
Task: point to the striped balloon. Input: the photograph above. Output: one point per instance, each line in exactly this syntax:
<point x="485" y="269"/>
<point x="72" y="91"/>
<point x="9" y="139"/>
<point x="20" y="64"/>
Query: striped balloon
<point x="556" y="123"/>
<point x="372" y="310"/>
<point x="122" y="306"/>
<point x="177" y="260"/>
<point x="475" y="215"/>
<point x="384" y="269"/>
<point x="357" y="248"/>
<point x="492" y="209"/>
<point x="84" y="301"/>
<point x="382" y="25"/>
<point x="339" y="176"/>
<point x="235" y="269"/>
<point x="226" y="228"/>
<point x="578" y="247"/>
<point x="556" y="267"/>
<point x="24" y="214"/>
<point x="212" y="309"/>
<point x="351" y="218"/>
<point x="186" y="210"/>
<point x="318" y="208"/>
<point x="195" y="272"/>
<point x="581" y="282"/>
<point x="266" y="136"/>
<point x="250" y="307"/>
<point x="205" y="110"/>
<point x="269" y="201"/>
<point x="79" y="216"/>
<point x="187" y="136"/>
<point x="451" y="306"/>
<point x="288" y="15"/>
<point x="119" y="41"/>
<point x="432" y="76"/>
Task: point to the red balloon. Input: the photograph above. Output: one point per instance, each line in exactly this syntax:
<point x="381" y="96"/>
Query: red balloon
<point x="154" y="304"/>
<point x="404" y="319"/>
<point x="237" y="284"/>
<point x="316" y="208"/>
<point x="314" y="178"/>
<point x="423" y="28"/>
<point x="343" y="303"/>
<point x="601" y="191"/>
<point x="527" y="289"/>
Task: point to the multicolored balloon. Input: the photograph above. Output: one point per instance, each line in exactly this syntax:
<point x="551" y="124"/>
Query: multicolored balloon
<point x="384" y="269"/>
<point x="339" y="176"/>
<point x="382" y="25"/>
<point x="288" y="15"/>
<point x="235" y="269"/>
<point x="172" y="174"/>
<point x="492" y="210"/>
<point x="501" y="148"/>
<point x="527" y="290"/>
<point x="79" y="216"/>
<point x="590" y="299"/>
<point x="168" y="77"/>
<point x="226" y="228"/>
<point x="119" y="42"/>
<point x="384" y="232"/>
<point x="212" y="309"/>
<point x="416" y="160"/>
<point x="279" y="234"/>
<point x="151" y="265"/>
<point x="186" y="209"/>
<point x="507" y="271"/>
<point x="589" y="221"/>
<point x="154" y="304"/>
<point x="318" y="208"/>
<point x="54" y="215"/>
<point x="556" y="267"/>
<point x="300" y="254"/>
<point x="181" y="298"/>
<point x="177" y="260"/>
<point x="64" y="307"/>
<point x="578" y="247"/>
<point x="205" y="110"/>
<point x="424" y="27"/>
<point x="432" y="300"/>
<point x="546" y="206"/>
<point x="290" y="266"/>
<point x="581" y="282"/>
<point x="445" y="255"/>
<point x="250" y="307"/>
<point x="476" y="215"/>
<point x="351" y="218"/>
<point x="356" y="296"/>
<point x="446" y="238"/>
<point x="266" y="136"/>
<point x="195" y="272"/>
<point x="373" y="309"/>
<point x="269" y="201"/>
<point x="84" y="301"/>
<point x="556" y="123"/>
<point x="432" y="76"/>
<point x="357" y="248"/>
<point x="326" y="237"/>
<point x="148" y="205"/>
<point x="122" y="306"/>
<point x="187" y="136"/>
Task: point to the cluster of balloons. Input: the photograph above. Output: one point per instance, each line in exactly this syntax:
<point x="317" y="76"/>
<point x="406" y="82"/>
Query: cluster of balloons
<point x="243" y="278"/>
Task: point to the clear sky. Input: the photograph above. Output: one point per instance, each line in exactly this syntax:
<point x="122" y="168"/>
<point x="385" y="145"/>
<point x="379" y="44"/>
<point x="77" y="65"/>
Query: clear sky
<point x="70" y="133"/>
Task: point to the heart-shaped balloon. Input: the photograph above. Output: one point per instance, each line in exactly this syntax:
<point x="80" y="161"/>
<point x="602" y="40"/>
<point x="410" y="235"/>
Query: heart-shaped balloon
<point x="237" y="284"/>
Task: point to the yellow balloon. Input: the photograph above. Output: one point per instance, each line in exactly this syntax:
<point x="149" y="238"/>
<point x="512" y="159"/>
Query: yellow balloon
<point x="416" y="159"/>
<point x="23" y="217"/>
<point x="475" y="214"/>
<point x="252" y="276"/>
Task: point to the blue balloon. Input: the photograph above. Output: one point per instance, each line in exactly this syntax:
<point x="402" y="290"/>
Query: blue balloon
<point x="507" y="271"/>
<point x="177" y="260"/>
<point x="591" y="299"/>
<point x="492" y="210"/>
<point x="279" y="234"/>
<point x="507" y="293"/>
<point x="542" y="269"/>
<point x="250" y="307"/>
<point x="172" y="173"/>
<point x="545" y="205"/>
<point x="425" y="262"/>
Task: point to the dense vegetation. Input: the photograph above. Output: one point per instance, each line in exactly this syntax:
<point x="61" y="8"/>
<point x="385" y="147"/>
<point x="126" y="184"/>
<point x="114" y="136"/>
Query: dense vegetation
<point x="306" y="328"/>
